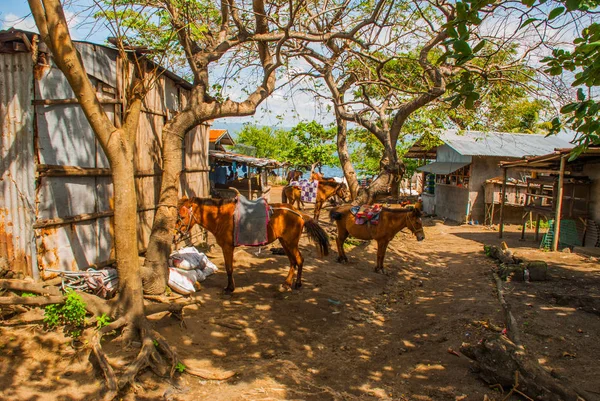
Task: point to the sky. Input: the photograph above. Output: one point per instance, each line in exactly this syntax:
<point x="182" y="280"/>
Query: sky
<point x="282" y="109"/>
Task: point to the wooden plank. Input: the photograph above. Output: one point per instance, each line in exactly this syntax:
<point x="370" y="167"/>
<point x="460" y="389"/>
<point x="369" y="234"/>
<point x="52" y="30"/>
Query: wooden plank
<point x="60" y="221"/>
<point x="501" y="229"/>
<point x="49" y="170"/>
<point x="558" y="213"/>
<point x="51" y="102"/>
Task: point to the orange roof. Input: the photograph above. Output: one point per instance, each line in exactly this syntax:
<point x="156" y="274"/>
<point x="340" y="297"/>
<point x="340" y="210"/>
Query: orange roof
<point x="215" y="134"/>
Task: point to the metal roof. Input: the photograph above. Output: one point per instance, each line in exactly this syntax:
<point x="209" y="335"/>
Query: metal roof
<point x="442" y="167"/>
<point x="551" y="161"/>
<point x="502" y="144"/>
<point x="499" y="144"/>
<point x="249" y="160"/>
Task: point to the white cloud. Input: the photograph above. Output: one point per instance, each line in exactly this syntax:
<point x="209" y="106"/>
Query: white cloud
<point x="24" y="23"/>
<point x="27" y="23"/>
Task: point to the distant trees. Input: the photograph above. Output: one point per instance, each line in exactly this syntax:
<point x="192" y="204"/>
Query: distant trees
<point x="305" y="144"/>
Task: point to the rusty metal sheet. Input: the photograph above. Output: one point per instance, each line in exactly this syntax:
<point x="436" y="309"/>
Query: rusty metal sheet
<point x="17" y="205"/>
<point x="69" y="247"/>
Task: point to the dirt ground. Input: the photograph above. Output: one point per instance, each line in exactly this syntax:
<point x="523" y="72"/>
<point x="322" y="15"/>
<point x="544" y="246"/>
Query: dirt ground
<point x="348" y="334"/>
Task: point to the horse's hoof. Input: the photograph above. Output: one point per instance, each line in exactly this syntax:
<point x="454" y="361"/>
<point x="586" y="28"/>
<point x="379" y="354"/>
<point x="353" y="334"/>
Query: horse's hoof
<point x="298" y="285"/>
<point x="227" y="291"/>
<point x="341" y="260"/>
<point x="285" y="287"/>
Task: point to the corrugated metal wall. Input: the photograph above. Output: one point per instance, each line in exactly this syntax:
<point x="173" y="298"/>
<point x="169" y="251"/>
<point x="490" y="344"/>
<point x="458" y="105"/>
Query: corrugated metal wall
<point x="17" y="202"/>
<point x="67" y="178"/>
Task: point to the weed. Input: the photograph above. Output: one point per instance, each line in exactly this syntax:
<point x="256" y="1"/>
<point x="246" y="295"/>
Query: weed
<point x="102" y="321"/>
<point x="28" y="295"/>
<point x="180" y="367"/>
<point x="155" y="343"/>
<point x="71" y="314"/>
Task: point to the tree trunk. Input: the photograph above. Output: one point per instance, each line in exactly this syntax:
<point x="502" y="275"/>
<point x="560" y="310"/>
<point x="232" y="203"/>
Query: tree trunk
<point x="344" y="155"/>
<point x="155" y="272"/>
<point x="391" y="170"/>
<point x="130" y="295"/>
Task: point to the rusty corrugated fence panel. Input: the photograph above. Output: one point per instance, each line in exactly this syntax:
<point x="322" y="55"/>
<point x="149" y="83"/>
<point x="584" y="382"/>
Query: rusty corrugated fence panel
<point x="17" y="205"/>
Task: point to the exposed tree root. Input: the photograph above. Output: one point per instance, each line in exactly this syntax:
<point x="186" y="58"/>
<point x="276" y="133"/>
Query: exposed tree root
<point x="503" y="360"/>
<point x="155" y="353"/>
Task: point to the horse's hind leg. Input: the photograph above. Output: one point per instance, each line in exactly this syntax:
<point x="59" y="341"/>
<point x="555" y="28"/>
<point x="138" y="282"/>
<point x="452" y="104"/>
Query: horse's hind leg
<point x="290" y="277"/>
<point x="228" y="256"/>
<point x="381" y="249"/>
<point x="339" y="241"/>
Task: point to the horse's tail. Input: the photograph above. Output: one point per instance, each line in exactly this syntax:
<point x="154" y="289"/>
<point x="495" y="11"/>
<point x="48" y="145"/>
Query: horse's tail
<point x="316" y="234"/>
<point x="283" y="195"/>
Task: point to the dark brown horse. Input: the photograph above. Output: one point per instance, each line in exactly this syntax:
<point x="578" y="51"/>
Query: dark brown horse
<point x="325" y="190"/>
<point x="293" y="175"/>
<point x="285" y="224"/>
<point x="390" y="222"/>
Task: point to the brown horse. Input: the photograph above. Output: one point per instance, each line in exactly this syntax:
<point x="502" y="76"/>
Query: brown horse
<point x="285" y="224"/>
<point x="390" y="222"/>
<point x="325" y="190"/>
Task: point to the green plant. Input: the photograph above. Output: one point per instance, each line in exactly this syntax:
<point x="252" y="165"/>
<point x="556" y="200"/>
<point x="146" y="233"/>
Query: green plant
<point x="180" y="367"/>
<point x="28" y="295"/>
<point x="71" y="314"/>
<point x="102" y="321"/>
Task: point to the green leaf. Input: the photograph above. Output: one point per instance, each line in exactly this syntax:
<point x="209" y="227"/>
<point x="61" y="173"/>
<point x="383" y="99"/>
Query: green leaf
<point x="572" y="4"/>
<point x="461" y="47"/>
<point x="569" y="108"/>
<point x="528" y="3"/>
<point x="527" y="22"/>
<point x="580" y="95"/>
<point x="479" y="46"/>
<point x="555" y="13"/>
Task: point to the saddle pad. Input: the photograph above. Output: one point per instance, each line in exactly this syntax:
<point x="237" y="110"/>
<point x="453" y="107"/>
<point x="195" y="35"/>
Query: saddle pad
<point x="366" y="214"/>
<point x="250" y="222"/>
<point x="308" y="191"/>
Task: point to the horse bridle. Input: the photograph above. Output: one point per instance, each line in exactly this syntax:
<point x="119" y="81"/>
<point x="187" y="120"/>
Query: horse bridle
<point x="413" y="228"/>
<point x="181" y="233"/>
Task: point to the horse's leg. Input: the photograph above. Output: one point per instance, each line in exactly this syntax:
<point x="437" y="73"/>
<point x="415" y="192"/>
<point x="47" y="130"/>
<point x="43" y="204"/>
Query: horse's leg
<point x="382" y="245"/>
<point x="228" y="256"/>
<point x="298" y="260"/>
<point x="341" y="237"/>
<point x="290" y="277"/>
<point x="318" y="206"/>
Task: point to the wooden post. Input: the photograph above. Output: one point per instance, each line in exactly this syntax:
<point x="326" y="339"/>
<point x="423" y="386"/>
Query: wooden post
<point x="558" y="208"/>
<point x="501" y="229"/>
<point x="537" y="226"/>
<point x="249" y="183"/>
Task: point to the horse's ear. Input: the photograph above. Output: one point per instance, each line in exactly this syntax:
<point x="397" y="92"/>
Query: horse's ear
<point x="182" y="201"/>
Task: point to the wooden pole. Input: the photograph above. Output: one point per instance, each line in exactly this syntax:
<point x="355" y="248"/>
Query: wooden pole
<point x="249" y="183"/>
<point x="501" y="229"/>
<point x="558" y="209"/>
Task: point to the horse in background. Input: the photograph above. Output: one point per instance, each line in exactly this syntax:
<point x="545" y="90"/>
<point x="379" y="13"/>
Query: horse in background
<point x="285" y="224"/>
<point x="390" y="222"/>
<point x="293" y="175"/>
<point x="325" y="190"/>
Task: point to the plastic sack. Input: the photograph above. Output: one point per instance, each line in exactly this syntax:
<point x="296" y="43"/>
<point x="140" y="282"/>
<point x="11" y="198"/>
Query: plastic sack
<point x="182" y="281"/>
<point x="188" y="258"/>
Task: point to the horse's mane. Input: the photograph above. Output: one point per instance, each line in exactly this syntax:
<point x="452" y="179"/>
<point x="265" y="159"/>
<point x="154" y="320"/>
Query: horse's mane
<point x="205" y="201"/>
<point x="331" y="183"/>
<point x="402" y="210"/>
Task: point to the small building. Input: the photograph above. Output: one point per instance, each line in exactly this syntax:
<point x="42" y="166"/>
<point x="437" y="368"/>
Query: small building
<point x="464" y="160"/>
<point x="218" y="138"/>
<point x="565" y="191"/>
<point x="249" y="175"/>
<point x="56" y="193"/>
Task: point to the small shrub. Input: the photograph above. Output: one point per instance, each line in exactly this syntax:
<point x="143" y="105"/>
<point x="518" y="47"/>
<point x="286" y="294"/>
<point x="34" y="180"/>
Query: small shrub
<point x="71" y="314"/>
<point x="180" y="367"/>
<point x="102" y="321"/>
